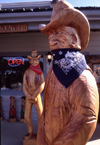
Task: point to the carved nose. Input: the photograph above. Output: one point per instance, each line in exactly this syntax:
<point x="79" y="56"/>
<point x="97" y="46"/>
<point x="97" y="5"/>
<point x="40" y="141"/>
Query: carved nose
<point x="53" y="37"/>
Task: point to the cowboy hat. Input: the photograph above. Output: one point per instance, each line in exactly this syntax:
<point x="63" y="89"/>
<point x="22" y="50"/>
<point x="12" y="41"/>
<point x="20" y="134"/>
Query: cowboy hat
<point x="64" y="14"/>
<point x="34" y="55"/>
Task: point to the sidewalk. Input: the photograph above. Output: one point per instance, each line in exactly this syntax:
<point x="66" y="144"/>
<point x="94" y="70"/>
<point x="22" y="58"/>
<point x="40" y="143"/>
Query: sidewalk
<point x="13" y="133"/>
<point x="95" y="142"/>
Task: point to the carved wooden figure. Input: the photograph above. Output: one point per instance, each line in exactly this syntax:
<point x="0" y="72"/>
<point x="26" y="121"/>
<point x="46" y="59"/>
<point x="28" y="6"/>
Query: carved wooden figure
<point x="70" y="101"/>
<point x="33" y="85"/>
<point x="99" y="102"/>
<point x="1" y="113"/>
<point x="12" y="111"/>
<point x="22" y="120"/>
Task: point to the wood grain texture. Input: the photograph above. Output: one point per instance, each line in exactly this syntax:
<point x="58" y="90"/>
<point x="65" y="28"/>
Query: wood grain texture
<point x="30" y="142"/>
<point x="12" y="111"/>
<point x="33" y="85"/>
<point x="70" y="115"/>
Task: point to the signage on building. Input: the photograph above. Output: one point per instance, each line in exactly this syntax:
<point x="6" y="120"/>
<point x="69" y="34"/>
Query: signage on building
<point x="13" y="28"/>
<point x="16" y="61"/>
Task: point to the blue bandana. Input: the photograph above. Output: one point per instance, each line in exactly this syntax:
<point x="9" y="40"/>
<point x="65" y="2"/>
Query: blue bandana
<point x="68" y="64"/>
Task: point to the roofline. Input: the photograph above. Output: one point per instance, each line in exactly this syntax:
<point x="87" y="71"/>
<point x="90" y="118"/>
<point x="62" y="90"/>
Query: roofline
<point x="33" y="19"/>
<point x="25" y="4"/>
<point x="39" y="3"/>
<point x="92" y="14"/>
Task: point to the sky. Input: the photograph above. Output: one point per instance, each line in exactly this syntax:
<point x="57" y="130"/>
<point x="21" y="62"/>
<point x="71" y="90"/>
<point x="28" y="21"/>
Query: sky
<point x="75" y="3"/>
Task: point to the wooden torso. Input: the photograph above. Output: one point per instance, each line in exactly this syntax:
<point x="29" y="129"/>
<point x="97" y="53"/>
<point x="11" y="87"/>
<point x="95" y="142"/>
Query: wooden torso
<point x="60" y="104"/>
<point x="57" y="107"/>
<point x="33" y="80"/>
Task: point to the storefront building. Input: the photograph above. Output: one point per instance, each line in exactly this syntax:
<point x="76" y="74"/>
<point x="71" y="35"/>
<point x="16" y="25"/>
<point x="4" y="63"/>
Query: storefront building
<point x="19" y="34"/>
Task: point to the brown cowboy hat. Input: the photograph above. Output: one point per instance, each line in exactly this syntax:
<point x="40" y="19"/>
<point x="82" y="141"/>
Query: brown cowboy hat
<point x="64" y="14"/>
<point x="35" y="55"/>
<point x="30" y="57"/>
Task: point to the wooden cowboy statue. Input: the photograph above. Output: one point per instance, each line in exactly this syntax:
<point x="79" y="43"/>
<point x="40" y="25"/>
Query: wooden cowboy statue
<point x="33" y="85"/>
<point x="12" y="111"/>
<point x="70" y="101"/>
<point x="22" y="109"/>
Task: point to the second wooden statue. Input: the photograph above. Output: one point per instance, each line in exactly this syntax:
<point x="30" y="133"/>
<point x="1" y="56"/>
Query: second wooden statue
<point x="33" y="85"/>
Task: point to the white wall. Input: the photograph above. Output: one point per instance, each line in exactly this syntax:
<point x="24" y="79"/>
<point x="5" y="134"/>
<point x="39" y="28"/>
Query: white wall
<point x="93" y="47"/>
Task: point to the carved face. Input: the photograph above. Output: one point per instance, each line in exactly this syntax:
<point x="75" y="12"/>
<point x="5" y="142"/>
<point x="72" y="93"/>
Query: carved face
<point x="64" y="37"/>
<point x="34" y="62"/>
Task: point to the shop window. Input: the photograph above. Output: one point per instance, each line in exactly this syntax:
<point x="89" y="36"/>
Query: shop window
<point x="11" y="73"/>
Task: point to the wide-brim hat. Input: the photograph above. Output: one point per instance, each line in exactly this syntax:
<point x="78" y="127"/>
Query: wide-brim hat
<point x="34" y="58"/>
<point x="64" y="14"/>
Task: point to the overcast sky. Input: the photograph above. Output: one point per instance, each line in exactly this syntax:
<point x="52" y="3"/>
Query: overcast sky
<point x="75" y="3"/>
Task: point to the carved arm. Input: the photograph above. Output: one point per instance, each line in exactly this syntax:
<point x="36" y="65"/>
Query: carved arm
<point x="25" y="87"/>
<point x="39" y="89"/>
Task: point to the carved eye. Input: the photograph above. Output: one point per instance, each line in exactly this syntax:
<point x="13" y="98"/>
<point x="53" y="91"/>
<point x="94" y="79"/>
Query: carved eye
<point x="59" y="32"/>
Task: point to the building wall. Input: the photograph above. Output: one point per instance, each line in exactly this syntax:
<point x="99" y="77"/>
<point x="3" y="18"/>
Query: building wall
<point x="23" y="42"/>
<point x="93" y="47"/>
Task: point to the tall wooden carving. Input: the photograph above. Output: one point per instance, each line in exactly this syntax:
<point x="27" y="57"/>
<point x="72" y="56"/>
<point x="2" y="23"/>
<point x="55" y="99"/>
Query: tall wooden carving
<point x="22" y="120"/>
<point x="33" y="85"/>
<point x="70" y="101"/>
<point x="12" y="111"/>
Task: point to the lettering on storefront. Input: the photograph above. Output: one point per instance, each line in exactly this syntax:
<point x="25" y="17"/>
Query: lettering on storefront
<point x="16" y="61"/>
<point x="13" y="28"/>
